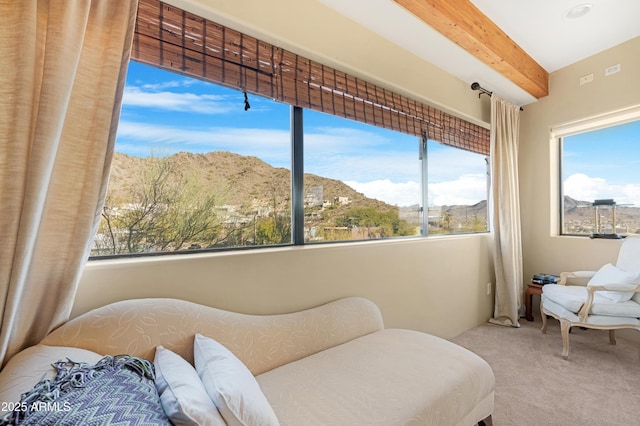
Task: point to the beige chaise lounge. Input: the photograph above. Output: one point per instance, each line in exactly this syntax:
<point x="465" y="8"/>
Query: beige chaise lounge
<point x="330" y="365"/>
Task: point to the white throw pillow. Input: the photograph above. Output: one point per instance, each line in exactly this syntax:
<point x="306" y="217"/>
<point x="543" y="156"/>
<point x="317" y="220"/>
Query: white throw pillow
<point x="614" y="277"/>
<point x="230" y="385"/>
<point x="182" y="394"/>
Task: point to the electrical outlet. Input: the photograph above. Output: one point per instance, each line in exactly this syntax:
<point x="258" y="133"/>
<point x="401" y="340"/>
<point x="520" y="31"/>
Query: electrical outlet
<point x="612" y="70"/>
<point x="586" y="79"/>
<point x="488" y="289"/>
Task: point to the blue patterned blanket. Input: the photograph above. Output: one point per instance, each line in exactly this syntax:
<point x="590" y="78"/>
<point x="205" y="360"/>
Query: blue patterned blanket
<point x="118" y="390"/>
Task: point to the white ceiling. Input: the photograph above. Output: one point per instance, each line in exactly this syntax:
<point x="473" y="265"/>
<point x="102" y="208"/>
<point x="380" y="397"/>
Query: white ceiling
<point x="537" y="26"/>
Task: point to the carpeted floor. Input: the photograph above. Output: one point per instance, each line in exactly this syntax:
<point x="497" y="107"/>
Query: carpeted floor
<point x="599" y="385"/>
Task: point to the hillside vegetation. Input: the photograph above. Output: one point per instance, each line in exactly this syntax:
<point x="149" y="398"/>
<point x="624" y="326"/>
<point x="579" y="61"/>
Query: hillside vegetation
<point x="223" y="199"/>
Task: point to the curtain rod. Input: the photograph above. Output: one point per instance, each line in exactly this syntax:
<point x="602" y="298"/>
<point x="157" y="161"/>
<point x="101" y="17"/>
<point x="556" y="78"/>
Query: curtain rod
<point x="476" y="86"/>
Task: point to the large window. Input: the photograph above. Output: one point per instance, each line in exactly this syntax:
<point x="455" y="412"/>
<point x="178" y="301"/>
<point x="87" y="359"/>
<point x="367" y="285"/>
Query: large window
<point x="193" y="169"/>
<point x="600" y="176"/>
<point x="199" y="166"/>
<point x="211" y="151"/>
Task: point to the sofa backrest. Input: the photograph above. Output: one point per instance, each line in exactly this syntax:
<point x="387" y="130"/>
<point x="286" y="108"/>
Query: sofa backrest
<point x="261" y="342"/>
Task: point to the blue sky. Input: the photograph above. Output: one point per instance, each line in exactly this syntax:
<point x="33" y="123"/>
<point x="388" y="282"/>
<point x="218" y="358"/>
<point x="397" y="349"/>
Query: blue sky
<point x="164" y="113"/>
<point x="604" y="164"/>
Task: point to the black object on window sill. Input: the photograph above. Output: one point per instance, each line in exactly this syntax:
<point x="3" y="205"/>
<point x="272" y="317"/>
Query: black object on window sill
<point x="607" y="236"/>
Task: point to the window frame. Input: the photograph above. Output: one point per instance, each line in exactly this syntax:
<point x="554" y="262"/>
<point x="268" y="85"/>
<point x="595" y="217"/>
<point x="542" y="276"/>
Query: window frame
<point x="585" y="125"/>
<point x="178" y="41"/>
<point x="424" y="157"/>
<point x="297" y="194"/>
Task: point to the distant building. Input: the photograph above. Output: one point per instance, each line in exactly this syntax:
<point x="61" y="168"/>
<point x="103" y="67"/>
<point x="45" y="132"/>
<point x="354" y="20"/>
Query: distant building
<point x="434" y="216"/>
<point x="314" y="196"/>
<point x="343" y="200"/>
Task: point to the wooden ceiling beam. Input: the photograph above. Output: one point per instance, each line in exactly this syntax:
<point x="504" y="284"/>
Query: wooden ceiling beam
<point x="461" y="22"/>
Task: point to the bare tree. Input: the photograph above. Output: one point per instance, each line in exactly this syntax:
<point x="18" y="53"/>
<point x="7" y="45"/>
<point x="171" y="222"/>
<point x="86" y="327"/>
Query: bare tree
<point x="276" y="227"/>
<point x="165" y="211"/>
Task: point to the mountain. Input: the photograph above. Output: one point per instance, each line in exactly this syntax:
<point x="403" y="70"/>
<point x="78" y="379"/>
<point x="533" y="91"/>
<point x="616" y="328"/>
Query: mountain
<point x="222" y="199"/>
<point x="579" y="217"/>
<point x="463" y="211"/>
<point x="239" y="180"/>
<point x="248" y="182"/>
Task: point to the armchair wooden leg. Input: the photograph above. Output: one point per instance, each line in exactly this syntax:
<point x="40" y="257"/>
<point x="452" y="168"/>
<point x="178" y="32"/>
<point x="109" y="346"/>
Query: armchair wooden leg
<point x="544" y="319"/>
<point x="612" y="337"/>
<point x="565" y="326"/>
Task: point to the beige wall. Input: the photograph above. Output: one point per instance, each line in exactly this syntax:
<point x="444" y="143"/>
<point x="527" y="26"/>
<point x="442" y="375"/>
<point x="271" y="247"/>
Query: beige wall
<point x="436" y="284"/>
<point x="543" y="250"/>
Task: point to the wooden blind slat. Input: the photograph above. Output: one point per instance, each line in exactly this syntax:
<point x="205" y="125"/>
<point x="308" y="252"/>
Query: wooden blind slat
<point x="170" y="38"/>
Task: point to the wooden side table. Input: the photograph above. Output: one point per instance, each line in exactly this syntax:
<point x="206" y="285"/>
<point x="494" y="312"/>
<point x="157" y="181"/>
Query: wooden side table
<point x="531" y="290"/>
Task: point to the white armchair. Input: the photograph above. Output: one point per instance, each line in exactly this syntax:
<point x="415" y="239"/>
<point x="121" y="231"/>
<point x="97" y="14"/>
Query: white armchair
<point x="610" y="300"/>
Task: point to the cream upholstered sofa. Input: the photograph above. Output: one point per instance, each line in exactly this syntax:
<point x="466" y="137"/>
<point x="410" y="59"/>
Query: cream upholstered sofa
<point x="333" y="364"/>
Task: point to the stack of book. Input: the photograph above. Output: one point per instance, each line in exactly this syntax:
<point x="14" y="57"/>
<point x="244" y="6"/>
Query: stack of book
<point x="543" y="279"/>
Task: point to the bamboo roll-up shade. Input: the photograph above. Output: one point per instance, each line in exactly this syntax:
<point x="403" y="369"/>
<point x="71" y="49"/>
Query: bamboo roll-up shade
<point x="173" y="39"/>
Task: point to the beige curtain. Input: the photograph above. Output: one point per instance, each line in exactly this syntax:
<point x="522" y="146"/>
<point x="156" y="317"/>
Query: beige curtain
<point x="505" y="128"/>
<point x="62" y="70"/>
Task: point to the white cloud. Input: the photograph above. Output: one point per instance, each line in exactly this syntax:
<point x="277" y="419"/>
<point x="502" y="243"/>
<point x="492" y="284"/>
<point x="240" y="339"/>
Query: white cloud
<point x="270" y="145"/>
<point x="581" y="187"/>
<point x="465" y="190"/>
<point x="186" y="82"/>
<point x="400" y="194"/>
<point x="342" y="139"/>
<point x="447" y="163"/>
<point x="171" y="101"/>
<point x="364" y="166"/>
<point x="359" y="155"/>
